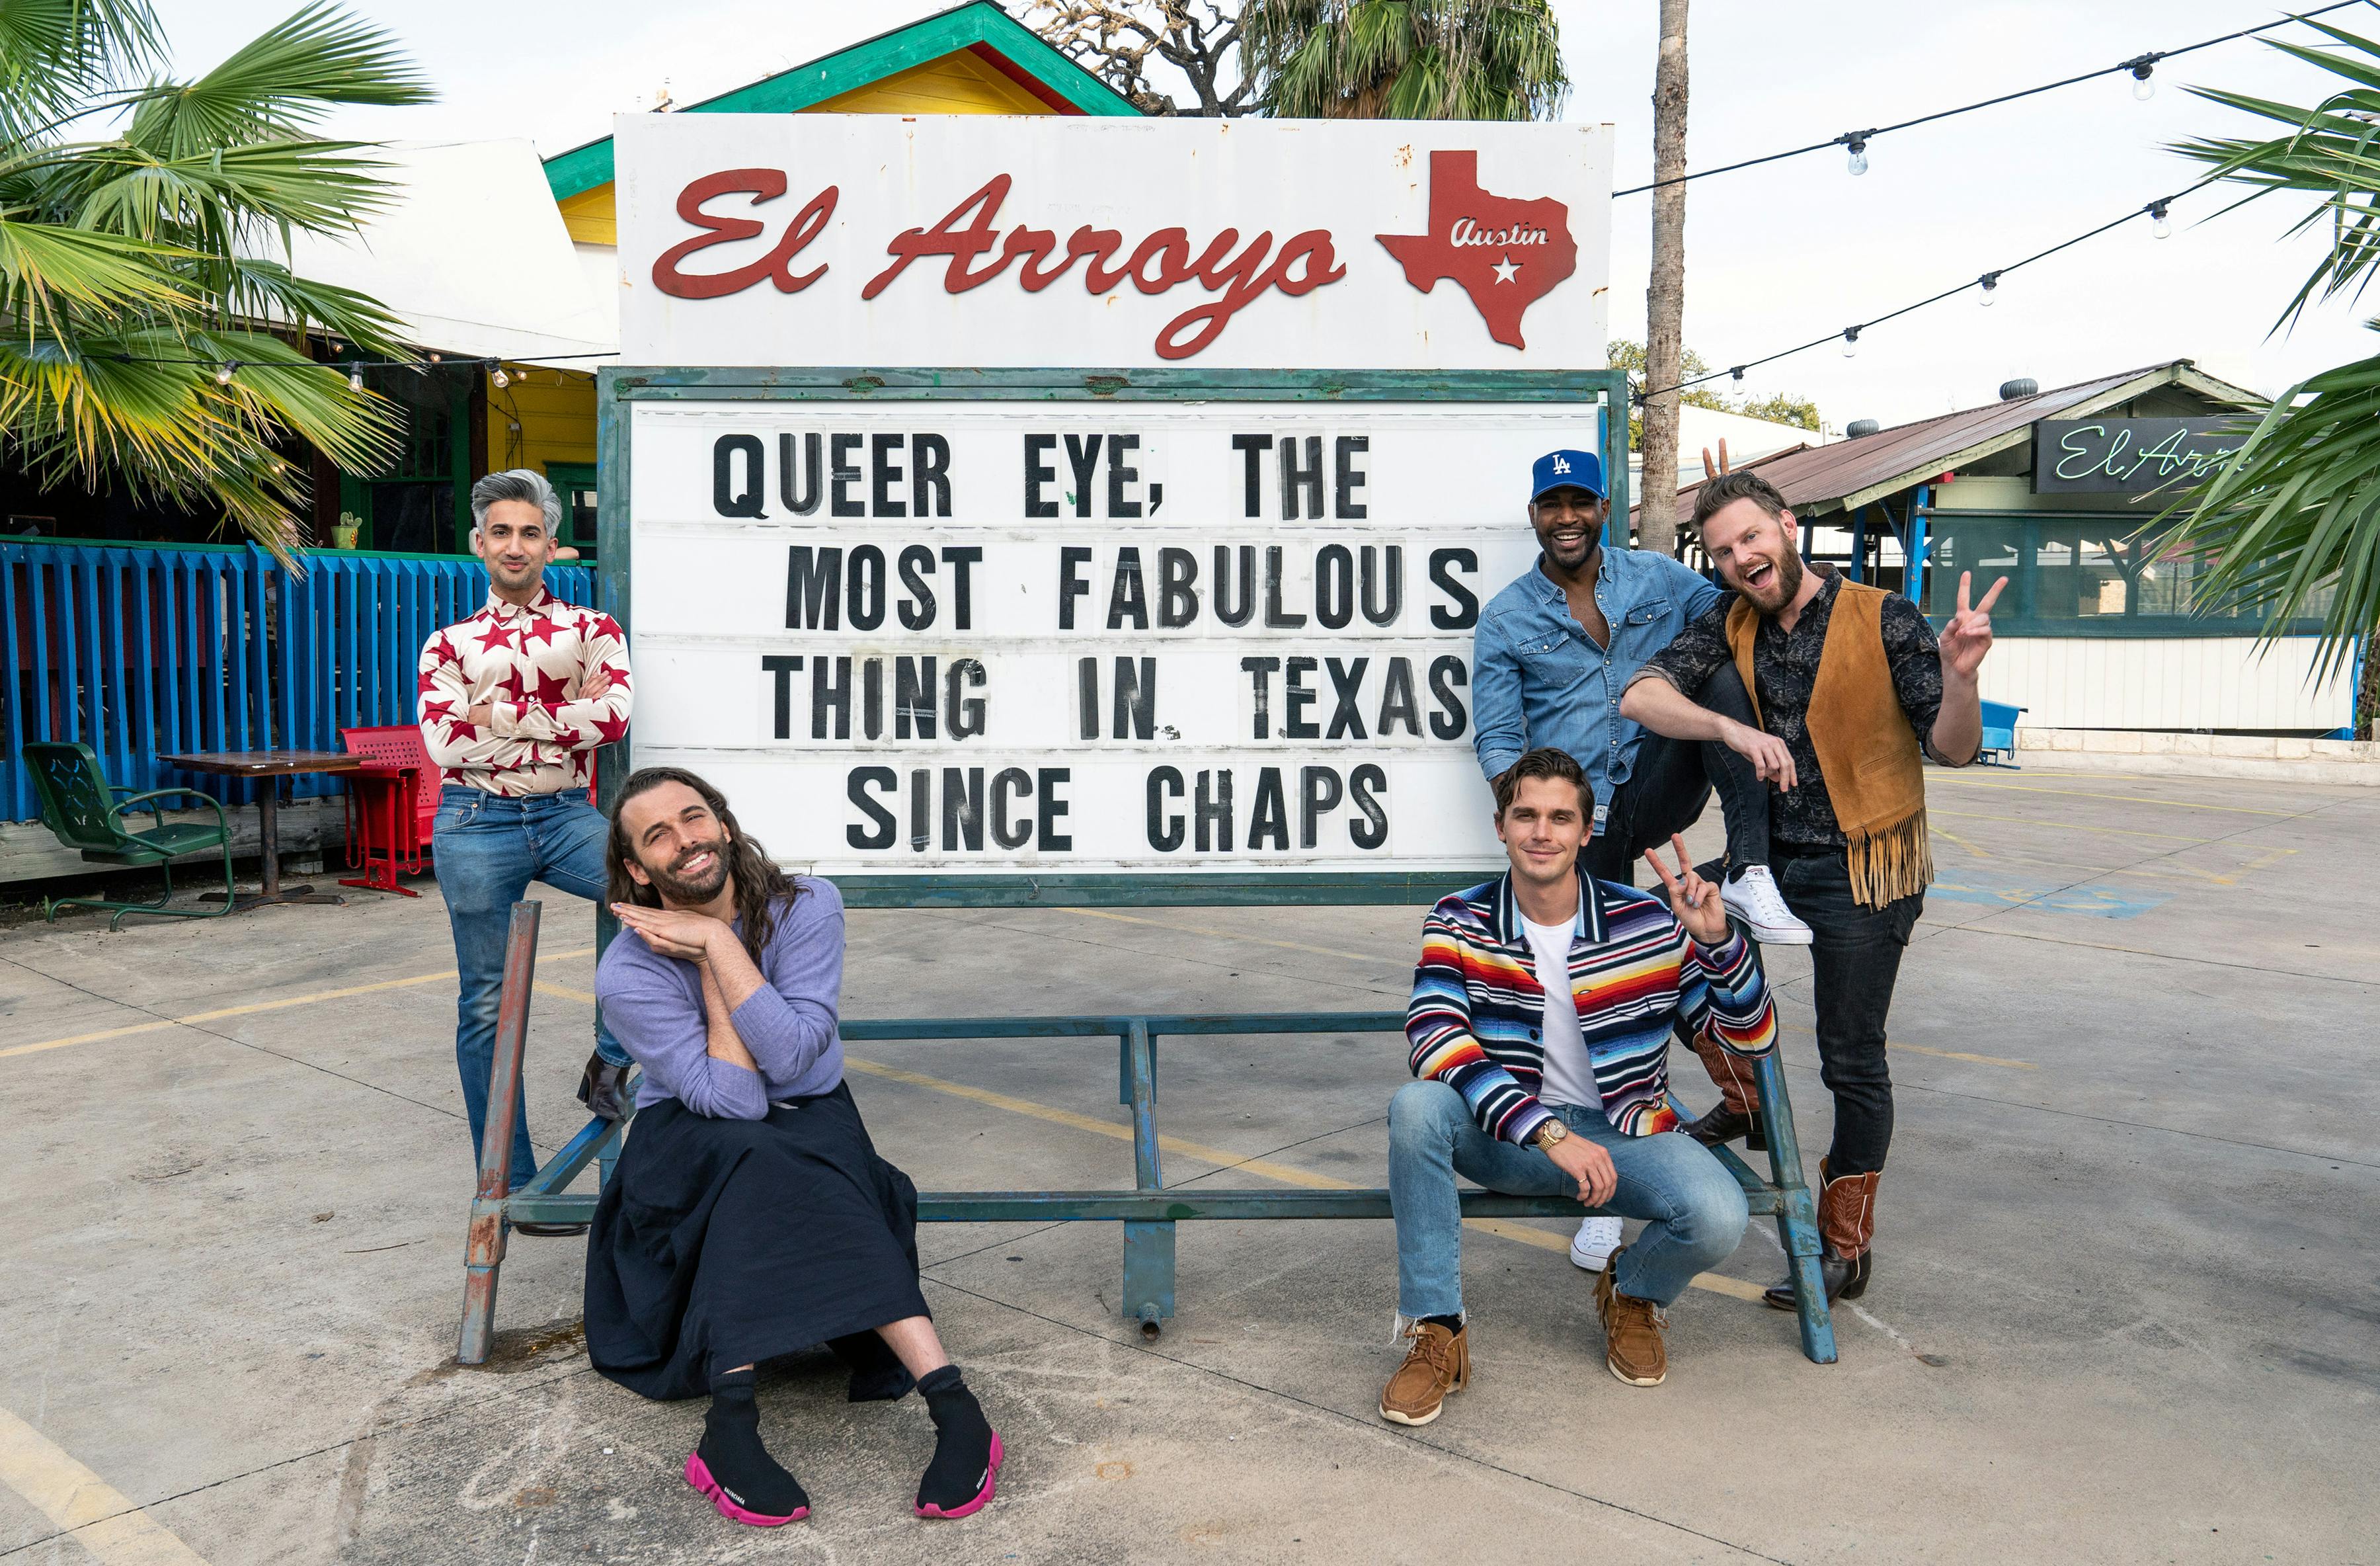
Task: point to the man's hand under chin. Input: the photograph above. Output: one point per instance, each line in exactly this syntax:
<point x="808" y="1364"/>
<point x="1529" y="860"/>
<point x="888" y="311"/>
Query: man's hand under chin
<point x="672" y="932"/>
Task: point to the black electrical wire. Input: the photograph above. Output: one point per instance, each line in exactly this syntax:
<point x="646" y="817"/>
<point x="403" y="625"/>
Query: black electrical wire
<point x="2139" y="65"/>
<point x="2155" y="208"/>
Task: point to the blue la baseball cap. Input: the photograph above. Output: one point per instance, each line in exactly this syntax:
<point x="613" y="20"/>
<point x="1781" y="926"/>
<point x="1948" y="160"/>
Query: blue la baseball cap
<point x="1578" y="469"/>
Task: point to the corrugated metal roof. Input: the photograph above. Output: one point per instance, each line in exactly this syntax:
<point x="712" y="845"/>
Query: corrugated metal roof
<point x="1820" y="479"/>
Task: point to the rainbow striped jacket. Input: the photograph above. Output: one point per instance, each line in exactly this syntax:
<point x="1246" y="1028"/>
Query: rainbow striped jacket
<point x="1478" y="1006"/>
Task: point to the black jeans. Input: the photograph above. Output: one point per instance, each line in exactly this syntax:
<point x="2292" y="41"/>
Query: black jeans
<point x="1854" y="960"/>
<point x="1670" y="783"/>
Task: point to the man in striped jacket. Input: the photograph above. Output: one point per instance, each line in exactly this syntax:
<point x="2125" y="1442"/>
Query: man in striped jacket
<point x="1540" y="1027"/>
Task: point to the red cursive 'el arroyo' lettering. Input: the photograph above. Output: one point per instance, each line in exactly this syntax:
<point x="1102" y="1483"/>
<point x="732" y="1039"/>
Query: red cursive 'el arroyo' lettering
<point x="761" y="185"/>
<point x="1156" y="264"/>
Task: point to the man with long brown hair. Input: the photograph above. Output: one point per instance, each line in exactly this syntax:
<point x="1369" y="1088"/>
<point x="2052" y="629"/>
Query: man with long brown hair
<point x="1852" y="689"/>
<point x="750" y="1215"/>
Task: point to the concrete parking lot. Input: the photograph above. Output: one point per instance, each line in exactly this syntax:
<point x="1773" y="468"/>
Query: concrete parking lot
<point x="2126" y="1303"/>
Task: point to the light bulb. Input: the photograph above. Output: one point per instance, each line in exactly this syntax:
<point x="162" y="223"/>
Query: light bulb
<point x="1851" y="342"/>
<point x="2143" y="85"/>
<point x="2162" y="225"/>
<point x="222" y="373"/>
<point x="501" y="379"/>
<point x="354" y="377"/>
<point x="434" y="359"/>
<point x="1737" y="372"/>
<point x="1991" y="288"/>
<point x="1859" y="157"/>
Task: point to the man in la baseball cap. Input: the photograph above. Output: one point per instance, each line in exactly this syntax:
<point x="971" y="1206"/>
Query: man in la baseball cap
<point x="1552" y="655"/>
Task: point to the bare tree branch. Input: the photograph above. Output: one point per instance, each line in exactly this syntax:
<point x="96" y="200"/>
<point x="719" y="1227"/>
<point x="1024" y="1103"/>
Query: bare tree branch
<point x="1113" y="39"/>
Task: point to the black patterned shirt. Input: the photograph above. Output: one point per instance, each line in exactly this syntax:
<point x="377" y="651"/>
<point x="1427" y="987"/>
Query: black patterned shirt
<point x="1785" y="671"/>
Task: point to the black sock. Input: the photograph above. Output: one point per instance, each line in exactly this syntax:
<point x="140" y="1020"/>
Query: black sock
<point x="1451" y="1323"/>
<point x="731" y="1449"/>
<point x="962" y="1446"/>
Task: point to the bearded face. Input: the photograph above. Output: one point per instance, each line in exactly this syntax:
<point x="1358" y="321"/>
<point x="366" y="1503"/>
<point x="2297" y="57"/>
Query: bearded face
<point x="1756" y="554"/>
<point x="693" y="872"/>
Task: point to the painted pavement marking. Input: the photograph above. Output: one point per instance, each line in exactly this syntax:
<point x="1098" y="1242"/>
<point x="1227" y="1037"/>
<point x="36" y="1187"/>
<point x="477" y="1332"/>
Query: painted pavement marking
<point x="82" y="1505"/>
<point x="2094" y="794"/>
<point x="254" y="1006"/>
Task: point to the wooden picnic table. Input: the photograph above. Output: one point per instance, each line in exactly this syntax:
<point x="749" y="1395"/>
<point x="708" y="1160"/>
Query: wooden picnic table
<point x="270" y="768"/>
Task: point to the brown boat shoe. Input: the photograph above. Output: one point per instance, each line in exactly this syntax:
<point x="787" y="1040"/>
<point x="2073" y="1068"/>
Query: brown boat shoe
<point x="1438" y="1364"/>
<point x="1632" y="1330"/>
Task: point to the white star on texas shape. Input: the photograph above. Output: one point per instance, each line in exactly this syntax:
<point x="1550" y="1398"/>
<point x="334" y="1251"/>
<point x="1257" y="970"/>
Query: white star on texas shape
<point x="1504" y="270"/>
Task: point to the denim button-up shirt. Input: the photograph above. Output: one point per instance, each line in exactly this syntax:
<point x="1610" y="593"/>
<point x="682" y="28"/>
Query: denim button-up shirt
<point x="1537" y="679"/>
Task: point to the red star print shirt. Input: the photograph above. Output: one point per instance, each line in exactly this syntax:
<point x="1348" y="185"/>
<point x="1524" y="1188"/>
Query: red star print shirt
<point x="527" y="664"/>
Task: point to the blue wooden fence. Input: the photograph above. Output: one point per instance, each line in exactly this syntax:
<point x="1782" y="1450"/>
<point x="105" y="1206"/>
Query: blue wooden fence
<point x="141" y="649"/>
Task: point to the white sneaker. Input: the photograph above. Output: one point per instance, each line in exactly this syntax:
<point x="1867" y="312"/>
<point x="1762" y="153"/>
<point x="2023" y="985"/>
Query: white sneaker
<point x="1597" y="1239"/>
<point x="1751" y="896"/>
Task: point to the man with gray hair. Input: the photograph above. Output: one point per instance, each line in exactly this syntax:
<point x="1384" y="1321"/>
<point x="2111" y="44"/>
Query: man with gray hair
<point x="513" y="702"/>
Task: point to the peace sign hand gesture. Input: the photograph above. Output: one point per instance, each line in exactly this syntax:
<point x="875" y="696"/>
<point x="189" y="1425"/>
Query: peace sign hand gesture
<point x="1695" y="900"/>
<point x="1967" y="636"/>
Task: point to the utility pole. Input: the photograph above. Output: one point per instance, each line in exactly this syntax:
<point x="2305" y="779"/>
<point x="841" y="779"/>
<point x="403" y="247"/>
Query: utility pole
<point x="1665" y="298"/>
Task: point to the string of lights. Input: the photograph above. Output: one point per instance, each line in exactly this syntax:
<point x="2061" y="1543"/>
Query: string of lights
<point x="2161" y="225"/>
<point x="2142" y="68"/>
<point x="228" y="369"/>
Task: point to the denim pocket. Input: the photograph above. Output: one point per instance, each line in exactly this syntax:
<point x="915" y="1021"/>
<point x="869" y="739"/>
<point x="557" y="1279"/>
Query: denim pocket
<point x="454" y="815"/>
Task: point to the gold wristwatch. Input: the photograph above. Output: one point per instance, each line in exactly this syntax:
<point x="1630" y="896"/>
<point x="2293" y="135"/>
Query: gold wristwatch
<point x="1550" y="1136"/>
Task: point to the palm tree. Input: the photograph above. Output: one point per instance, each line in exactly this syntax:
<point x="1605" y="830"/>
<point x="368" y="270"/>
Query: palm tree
<point x="2292" y="520"/>
<point x="1405" y="59"/>
<point x="136" y="268"/>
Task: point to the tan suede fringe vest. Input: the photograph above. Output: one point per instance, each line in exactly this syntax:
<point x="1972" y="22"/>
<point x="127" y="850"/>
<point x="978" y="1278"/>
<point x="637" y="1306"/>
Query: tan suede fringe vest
<point x="1875" y="773"/>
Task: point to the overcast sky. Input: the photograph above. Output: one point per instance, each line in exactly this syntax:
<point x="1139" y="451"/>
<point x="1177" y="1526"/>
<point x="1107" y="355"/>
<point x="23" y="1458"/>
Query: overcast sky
<point x="1775" y="256"/>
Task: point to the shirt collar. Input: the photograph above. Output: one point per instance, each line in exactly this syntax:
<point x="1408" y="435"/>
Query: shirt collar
<point x="1510" y="930"/>
<point x="1552" y="591"/>
<point x="504" y="609"/>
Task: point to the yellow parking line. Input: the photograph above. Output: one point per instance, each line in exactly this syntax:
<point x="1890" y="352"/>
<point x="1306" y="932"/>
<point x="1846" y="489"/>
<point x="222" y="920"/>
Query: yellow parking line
<point x="2069" y="825"/>
<point x="1953" y="836"/>
<point x="254" y="1006"/>
<point x="1962" y="1055"/>
<point x="78" y="1501"/>
<point x="2093" y="794"/>
<point x="1263" y="1168"/>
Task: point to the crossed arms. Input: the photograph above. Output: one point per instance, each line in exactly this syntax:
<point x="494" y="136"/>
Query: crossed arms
<point x="717" y="1046"/>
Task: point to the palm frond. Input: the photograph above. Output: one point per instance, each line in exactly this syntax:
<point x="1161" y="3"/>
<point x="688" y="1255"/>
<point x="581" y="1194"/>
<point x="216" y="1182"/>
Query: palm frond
<point x="57" y="54"/>
<point x="279" y="86"/>
<point x="2292" y="520"/>
<point x="48" y="274"/>
<point x="131" y="269"/>
<point x="1405" y="59"/>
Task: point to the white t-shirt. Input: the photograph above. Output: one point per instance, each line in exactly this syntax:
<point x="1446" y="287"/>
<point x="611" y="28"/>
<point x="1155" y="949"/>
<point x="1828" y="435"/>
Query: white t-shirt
<point x="1570" y="1075"/>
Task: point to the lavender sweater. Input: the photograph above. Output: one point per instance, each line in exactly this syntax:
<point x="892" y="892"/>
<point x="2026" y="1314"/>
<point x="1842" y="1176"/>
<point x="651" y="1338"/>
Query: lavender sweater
<point x="654" y="1006"/>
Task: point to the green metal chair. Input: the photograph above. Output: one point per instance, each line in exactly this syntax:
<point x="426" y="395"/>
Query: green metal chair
<point x="83" y="813"/>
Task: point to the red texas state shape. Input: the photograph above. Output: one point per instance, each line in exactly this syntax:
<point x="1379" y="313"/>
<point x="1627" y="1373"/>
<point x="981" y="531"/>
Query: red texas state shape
<point x="1505" y="253"/>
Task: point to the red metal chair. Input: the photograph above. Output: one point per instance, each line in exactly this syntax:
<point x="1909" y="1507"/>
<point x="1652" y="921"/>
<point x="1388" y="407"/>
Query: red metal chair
<point x="393" y="805"/>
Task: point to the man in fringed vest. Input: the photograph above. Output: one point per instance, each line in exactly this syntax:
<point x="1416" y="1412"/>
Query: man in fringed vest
<point x="1852" y="689"/>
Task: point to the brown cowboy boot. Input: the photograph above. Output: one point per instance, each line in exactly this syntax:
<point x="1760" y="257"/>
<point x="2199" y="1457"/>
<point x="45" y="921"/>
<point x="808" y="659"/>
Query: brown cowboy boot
<point x="1438" y="1364"/>
<point x="1846" y="1233"/>
<point x="1738" y="1110"/>
<point x="1632" y="1349"/>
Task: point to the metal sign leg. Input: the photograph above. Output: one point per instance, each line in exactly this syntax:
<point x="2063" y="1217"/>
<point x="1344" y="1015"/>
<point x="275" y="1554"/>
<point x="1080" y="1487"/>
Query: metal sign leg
<point x="1147" y="1243"/>
<point x="1797" y="1216"/>
<point x="483" y="1252"/>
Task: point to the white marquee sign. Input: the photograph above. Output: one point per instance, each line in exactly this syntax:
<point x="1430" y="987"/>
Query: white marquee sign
<point x="1003" y="635"/>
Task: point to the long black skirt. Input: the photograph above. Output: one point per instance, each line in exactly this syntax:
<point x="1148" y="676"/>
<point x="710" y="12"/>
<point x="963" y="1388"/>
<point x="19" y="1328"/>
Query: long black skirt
<point x="722" y="1243"/>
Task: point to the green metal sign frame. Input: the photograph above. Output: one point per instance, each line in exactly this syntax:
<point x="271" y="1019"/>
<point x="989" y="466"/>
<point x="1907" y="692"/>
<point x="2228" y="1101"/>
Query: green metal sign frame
<point x="619" y="387"/>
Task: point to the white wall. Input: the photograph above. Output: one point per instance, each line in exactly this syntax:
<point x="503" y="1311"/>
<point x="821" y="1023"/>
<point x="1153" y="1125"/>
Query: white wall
<point x="2180" y="683"/>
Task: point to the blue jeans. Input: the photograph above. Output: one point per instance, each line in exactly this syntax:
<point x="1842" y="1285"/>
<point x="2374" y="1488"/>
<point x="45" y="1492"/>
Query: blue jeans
<point x="487" y="850"/>
<point x="1696" y="1208"/>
